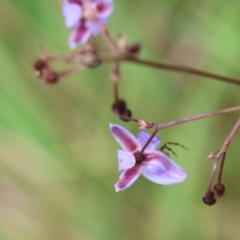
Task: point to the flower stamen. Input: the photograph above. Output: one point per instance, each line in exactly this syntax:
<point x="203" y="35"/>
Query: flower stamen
<point x="139" y="157"/>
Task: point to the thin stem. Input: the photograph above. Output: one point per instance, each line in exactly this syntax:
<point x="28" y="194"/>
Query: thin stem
<point x="108" y="39"/>
<point x="117" y="56"/>
<point x="65" y="58"/>
<point x="221" y="168"/>
<point x="72" y="70"/>
<point x="42" y="52"/>
<point x="160" y="126"/>
<point x="212" y="175"/>
<point x="197" y="117"/>
<point x="221" y="154"/>
<point x="181" y="69"/>
<point x="132" y="119"/>
<point x="229" y="138"/>
<point x="115" y="90"/>
<point x="149" y="140"/>
<point x="166" y="67"/>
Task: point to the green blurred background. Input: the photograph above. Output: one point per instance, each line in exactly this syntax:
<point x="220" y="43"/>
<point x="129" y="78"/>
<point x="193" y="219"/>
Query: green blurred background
<point x="58" y="160"/>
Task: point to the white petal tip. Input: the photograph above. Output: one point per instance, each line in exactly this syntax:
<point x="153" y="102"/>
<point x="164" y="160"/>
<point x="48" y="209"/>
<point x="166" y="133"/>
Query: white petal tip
<point x="117" y="189"/>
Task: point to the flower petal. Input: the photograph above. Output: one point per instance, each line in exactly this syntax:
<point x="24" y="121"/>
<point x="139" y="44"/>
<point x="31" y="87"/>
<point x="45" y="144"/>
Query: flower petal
<point x="79" y="2"/>
<point x="104" y="9"/>
<point x="126" y="140"/>
<point x="125" y="160"/>
<point x="79" y="36"/>
<point x="143" y="138"/>
<point x="159" y="168"/>
<point x="92" y="27"/>
<point x="72" y="14"/>
<point x="128" y="177"/>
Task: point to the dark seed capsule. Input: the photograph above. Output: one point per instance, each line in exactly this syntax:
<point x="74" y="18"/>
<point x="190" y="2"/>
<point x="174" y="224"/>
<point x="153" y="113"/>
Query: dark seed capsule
<point x="219" y="189"/>
<point x="128" y="114"/>
<point x="209" y="198"/>
<point x="134" y="48"/>
<point x="39" y="65"/>
<point x="119" y="107"/>
<point x="51" y="77"/>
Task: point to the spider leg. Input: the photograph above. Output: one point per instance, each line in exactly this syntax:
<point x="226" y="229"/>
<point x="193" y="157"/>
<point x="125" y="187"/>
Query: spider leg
<point x="169" y="149"/>
<point x="174" y="143"/>
<point x="165" y="146"/>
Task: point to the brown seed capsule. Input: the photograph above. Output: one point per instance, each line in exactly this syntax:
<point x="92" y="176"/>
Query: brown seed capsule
<point x="209" y="198"/>
<point x="51" y="77"/>
<point x="134" y="48"/>
<point x="119" y="107"/>
<point x="128" y="114"/>
<point x="39" y="65"/>
<point x="219" y="189"/>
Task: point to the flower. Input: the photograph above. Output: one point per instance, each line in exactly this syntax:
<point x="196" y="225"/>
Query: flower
<point x="84" y="18"/>
<point x="152" y="164"/>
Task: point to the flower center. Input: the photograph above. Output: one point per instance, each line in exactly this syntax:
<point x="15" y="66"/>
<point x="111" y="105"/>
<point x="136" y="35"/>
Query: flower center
<point x="139" y="157"/>
<point x="89" y="11"/>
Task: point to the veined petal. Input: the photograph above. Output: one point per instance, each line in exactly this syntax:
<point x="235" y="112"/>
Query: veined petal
<point x="126" y="140"/>
<point x="143" y="138"/>
<point x="128" y="177"/>
<point x="79" y="36"/>
<point x="72" y="14"/>
<point x="104" y="8"/>
<point x="159" y="168"/>
<point x="125" y="160"/>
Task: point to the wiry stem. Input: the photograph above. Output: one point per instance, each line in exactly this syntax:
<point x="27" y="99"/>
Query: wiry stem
<point x="221" y="168"/>
<point x="116" y="56"/>
<point x="181" y="69"/>
<point x="197" y="117"/>
<point x="159" y="126"/>
<point x="229" y="138"/>
<point x="221" y="154"/>
<point x="166" y="67"/>
<point x="149" y="140"/>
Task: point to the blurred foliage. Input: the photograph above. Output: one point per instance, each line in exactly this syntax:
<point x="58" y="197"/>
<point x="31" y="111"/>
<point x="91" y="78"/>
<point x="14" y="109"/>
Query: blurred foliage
<point x="58" y="160"/>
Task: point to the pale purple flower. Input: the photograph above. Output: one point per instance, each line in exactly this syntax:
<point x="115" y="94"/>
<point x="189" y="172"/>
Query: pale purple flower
<point x="152" y="164"/>
<point x="84" y="18"/>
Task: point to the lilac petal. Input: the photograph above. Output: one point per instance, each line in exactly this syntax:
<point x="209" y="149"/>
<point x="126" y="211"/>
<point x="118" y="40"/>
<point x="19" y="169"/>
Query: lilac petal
<point x="128" y="177"/>
<point x="159" y="168"/>
<point x="92" y="27"/>
<point x="72" y="14"/>
<point x="102" y="21"/>
<point x="125" y="160"/>
<point x="79" y="36"/>
<point x="126" y="140"/>
<point x="79" y="2"/>
<point x="143" y="138"/>
<point x="104" y="8"/>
